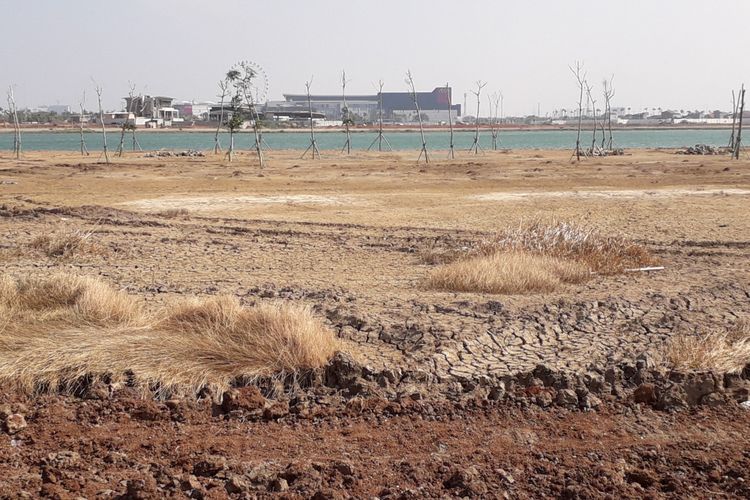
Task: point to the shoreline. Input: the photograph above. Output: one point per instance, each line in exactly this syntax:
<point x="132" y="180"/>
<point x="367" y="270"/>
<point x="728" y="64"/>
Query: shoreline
<point x="359" y="130"/>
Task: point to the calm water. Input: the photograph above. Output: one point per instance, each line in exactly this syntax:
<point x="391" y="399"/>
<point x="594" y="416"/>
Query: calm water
<point x="546" y="139"/>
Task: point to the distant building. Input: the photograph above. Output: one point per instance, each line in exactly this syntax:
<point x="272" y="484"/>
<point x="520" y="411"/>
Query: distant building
<point x="152" y="111"/>
<point x="397" y="106"/>
<point x="198" y="110"/>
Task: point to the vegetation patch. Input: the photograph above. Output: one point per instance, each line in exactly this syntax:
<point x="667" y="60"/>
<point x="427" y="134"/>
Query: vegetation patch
<point x="58" y="330"/>
<point x="507" y="273"/>
<point x="726" y="351"/>
<point x="64" y="244"/>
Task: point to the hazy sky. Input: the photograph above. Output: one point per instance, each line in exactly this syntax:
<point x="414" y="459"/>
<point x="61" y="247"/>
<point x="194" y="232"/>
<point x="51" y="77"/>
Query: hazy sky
<point x="669" y="53"/>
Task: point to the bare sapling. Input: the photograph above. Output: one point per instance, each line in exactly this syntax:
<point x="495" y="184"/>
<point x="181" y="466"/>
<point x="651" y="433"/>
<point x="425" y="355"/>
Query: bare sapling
<point x="580" y="77"/>
<point x="609" y="93"/>
<point x="242" y="77"/>
<point x="738" y="140"/>
<point x="13" y="111"/>
<point x="451" y="148"/>
<point x="413" y="92"/>
<point x="594" y="150"/>
<point x="126" y="123"/>
<point x="313" y="147"/>
<point x="380" y="139"/>
<point x="478" y="93"/>
<point x="81" y="104"/>
<point x="495" y="100"/>
<point x="345" y="116"/>
<point x="223" y="92"/>
<point x="735" y="105"/>
<point x="98" y="91"/>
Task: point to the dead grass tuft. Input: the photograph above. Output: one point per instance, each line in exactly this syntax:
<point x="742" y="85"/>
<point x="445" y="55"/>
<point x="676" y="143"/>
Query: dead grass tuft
<point x="171" y="213"/>
<point x="62" y="329"/>
<point x="67" y="243"/>
<point x="575" y="241"/>
<point x="725" y="351"/>
<point x="507" y="273"/>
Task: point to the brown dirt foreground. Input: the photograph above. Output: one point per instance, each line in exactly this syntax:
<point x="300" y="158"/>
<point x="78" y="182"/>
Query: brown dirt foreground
<point x="559" y="394"/>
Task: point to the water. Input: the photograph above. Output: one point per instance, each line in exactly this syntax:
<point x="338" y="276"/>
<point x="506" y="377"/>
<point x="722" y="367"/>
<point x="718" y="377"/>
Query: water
<point x="517" y="139"/>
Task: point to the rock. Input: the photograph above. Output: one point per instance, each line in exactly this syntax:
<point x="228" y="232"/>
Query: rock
<point x="468" y="481"/>
<point x="276" y="410"/>
<point x="567" y="397"/>
<point x="590" y="402"/>
<point x="278" y="485"/>
<point x="713" y="400"/>
<point x="14" y="423"/>
<point x="342" y="371"/>
<point x="544" y="399"/>
<point x="645" y="393"/>
<point x="210" y="466"/>
<point x="62" y="459"/>
<point x="345" y="468"/>
<point x="497" y="392"/>
<point x="236" y="484"/>
<point x="672" y="398"/>
<point x="745" y="405"/>
<point x="699" y="385"/>
<point x="245" y="399"/>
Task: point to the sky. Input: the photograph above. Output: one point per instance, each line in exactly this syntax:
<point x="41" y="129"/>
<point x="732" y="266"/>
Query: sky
<point x="673" y="54"/>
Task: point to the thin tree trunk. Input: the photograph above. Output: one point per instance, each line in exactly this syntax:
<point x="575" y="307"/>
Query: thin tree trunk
<point x="451" y="153"/>
<point x="223" y="86"/>
<point x="101" y="120"/>
<point x="738" y="140"/>
<point x="84" y="149"/>
<point x="345" y="116"/>
<point x="313" y="145"/>
<point x="410" y="82"/>
<point x="734" y="121"/>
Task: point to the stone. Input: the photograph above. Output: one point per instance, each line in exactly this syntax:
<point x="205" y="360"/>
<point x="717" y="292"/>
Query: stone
<point x="672" y="398"/>
<point x="713" y="400"/>
<point x="699" y="385"/>
<point x="279" y="485"/>
<point x="276" y="410"/>
<point x="468" y="481"/>
<point x="590" y="402"/>
<point x="210" y="466"/>
<point x="567" y="397"/>
<point x="14" y="423"/>
<point x="645" y="393"/>
<point x="236" y="484"/>
<point x="342" y="371"/>
<point x="244" y="399"/>
<point x="497" y="392"/>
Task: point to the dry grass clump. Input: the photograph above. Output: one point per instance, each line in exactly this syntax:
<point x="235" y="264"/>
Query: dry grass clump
<point x="441" y="254"/>
<point x="66" y="243"/>
<point x="173" y="212"/>
<point x="84" y="328"/>
<point x="725" y="351"/>
<point x="568" y="240"/>
<point x="507" y="273"/>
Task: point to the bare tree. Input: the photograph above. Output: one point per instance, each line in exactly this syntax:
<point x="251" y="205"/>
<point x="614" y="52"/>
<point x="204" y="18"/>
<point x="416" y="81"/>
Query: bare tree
<point x="738" y="140"/>
<point x="609" y="93"/>
<point x="313" y="145"/>
<point x="126" y="124"/>
<point x="735" y="105"/>
<point x="98" y="91"/>
<point x="594" y="150"/>
<point x="346" y="117"/>
<point x="475" y="145"/>
<point x="495" y="100"/>
<point x="13" y="111"/>
<point x="242" y="77"/>
<point x="81" y="104"/>
<point x="380" y="138"/>
<point x="413" y="92"/>
<point x="580" y="77"/>
<point x="451" y="148"/>
<point x="223" y="89"/>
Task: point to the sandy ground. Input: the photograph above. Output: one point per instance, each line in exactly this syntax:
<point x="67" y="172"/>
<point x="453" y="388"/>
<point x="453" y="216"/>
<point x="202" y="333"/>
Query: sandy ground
<point x="343" y="233"/>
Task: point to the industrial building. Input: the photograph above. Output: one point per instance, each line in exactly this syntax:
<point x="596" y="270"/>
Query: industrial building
<point x="397" y="106"/>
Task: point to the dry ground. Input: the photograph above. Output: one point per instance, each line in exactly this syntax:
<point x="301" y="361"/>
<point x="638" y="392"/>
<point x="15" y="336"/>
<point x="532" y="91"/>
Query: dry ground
<point x="343" y="235"/>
